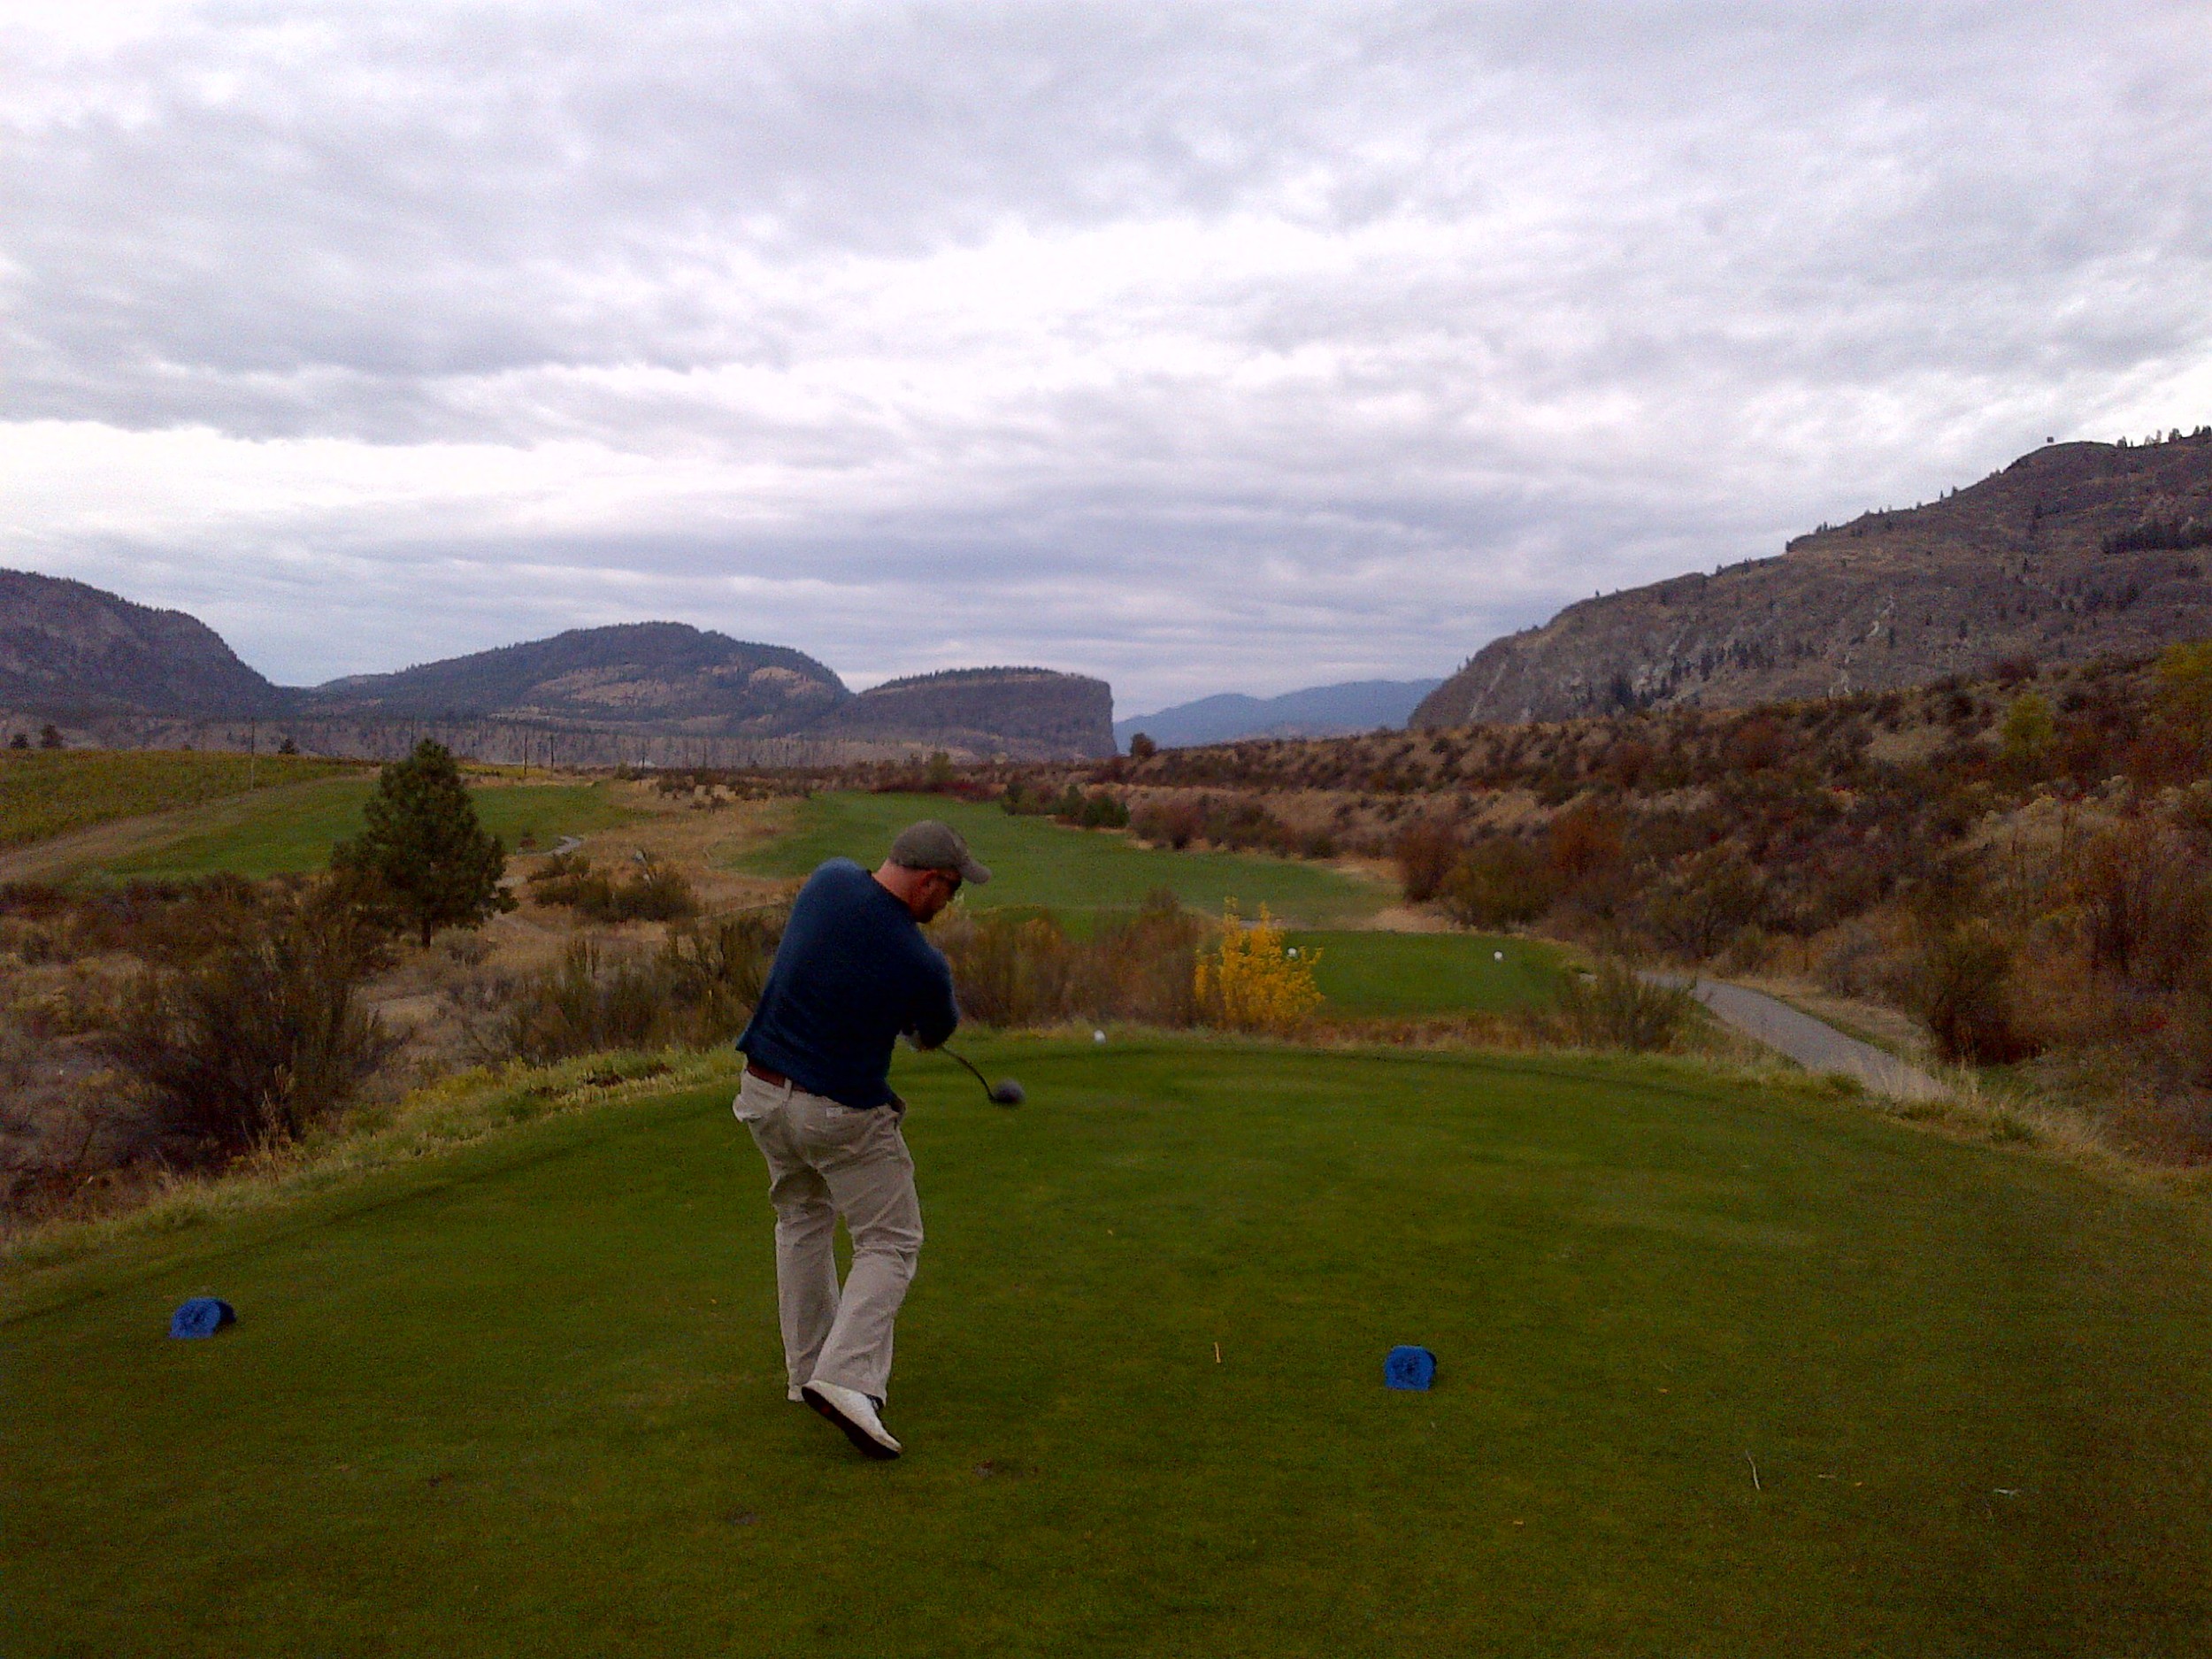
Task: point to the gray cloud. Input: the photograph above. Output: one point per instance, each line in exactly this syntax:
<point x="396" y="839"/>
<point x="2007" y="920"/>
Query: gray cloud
<point x="1196" y="347"/>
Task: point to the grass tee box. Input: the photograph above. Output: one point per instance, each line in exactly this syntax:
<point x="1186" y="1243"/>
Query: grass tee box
<point x="281" y="831"/>
<point x="1036" y="862"/>
<point x="527" y="1399"/>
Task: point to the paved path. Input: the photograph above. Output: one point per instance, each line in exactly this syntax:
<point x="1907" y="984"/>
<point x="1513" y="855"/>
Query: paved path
<point x="1812" y="1044"/>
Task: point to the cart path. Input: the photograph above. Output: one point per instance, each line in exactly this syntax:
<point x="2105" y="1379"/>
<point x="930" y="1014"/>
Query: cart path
<point x="1812" y="1043"/>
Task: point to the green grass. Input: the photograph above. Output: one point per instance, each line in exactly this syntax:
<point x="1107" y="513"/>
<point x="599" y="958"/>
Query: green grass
<point x="1382" y="973"/>
<point x="44" y="794"/>
<point x="527" y="1399"/>
<point x="1034" y="861"/>
<point x="294" y="829"/>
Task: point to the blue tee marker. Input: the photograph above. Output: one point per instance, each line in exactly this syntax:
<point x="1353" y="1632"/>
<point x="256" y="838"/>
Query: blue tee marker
<point x="202" y="1316"/>
<point x="1409" y="1367"/>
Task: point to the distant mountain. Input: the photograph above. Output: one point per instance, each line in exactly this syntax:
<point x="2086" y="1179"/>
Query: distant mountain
<point x="1028" y="713"/>
<point x="659" y="693"/>
<point x="68" y="649"/>
<point x="2074" y="551"/>
<point x="1354" y="706"/>
<point x="661" y="676"/>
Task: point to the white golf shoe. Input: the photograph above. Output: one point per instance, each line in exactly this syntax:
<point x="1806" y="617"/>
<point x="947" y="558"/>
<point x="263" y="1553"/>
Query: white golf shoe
<point x="855" y="1413"/>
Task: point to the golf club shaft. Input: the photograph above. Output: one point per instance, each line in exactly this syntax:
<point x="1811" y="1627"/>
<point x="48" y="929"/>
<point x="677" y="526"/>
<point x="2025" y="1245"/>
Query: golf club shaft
<point x="976" y="1075"/>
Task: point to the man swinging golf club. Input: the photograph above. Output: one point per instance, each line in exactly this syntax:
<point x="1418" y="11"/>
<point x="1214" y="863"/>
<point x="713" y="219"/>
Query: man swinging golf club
<point x="852" y="974"/>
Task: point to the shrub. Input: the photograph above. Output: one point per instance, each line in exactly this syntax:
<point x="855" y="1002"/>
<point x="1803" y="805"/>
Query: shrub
<point x="653" y="892"/>
<point x="1141" y="748"/>
<point x="1015" y="968"/>
<point x="698" y="989"/>
<point x="1707" y="901"/>
<point x="1244" y="823"/>
<point x="263" y="1036"/>
<point x="2148" y="900"/>
<point x="1008" y="967"/>
<point x="1425" y="852"/>
<point x="1499" y="882"/>
<point x="1854" y="960"/>
<point x="2028" y="735"/>
<point x="1757" y="742"/>
<point x="583" y="1003"/>
<point x="1617" y="1008"/>
<point x="1249" y="982"/>
<point x="1175" y="824"/>
<point x="1959" y="991"/>
<point x="1144" y="969"/>
<point x="1099" y="810"/>
<point x="1584" y="841"/>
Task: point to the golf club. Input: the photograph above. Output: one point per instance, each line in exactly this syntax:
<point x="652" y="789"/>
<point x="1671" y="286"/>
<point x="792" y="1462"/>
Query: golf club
<point x="1007" y="1092"/>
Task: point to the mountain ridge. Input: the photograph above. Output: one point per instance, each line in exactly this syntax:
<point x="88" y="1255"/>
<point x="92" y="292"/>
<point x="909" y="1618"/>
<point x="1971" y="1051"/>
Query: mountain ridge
<point x="1340" y="709"/>
<point x="630" y="676"/>
<point x="2073" y="551"/>
<point x="129" y="675"/>
<point x="69" y="647"/>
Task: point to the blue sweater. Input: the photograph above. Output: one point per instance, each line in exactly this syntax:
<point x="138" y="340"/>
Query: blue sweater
<point x="852" y="972"/>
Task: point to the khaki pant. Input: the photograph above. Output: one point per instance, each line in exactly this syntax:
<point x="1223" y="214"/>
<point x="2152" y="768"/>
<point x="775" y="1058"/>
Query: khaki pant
<point x="827" y="1161"/>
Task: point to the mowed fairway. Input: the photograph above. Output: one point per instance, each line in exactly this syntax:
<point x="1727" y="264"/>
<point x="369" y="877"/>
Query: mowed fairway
<point x="529" y="1400"/>
<point x="280" y="831"/>
<point x="49" y="793"/>
<point x="1034" y="861"/>
<point x="1372" y="972"/>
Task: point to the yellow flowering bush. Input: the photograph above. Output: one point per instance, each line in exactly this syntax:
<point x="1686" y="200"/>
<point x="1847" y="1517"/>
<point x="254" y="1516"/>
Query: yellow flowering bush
<point x="1251" y="982"/>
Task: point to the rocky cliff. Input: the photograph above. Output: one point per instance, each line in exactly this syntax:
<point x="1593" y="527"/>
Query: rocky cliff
<point x="1026" y="713"/>
<point x="2074" y="551"/>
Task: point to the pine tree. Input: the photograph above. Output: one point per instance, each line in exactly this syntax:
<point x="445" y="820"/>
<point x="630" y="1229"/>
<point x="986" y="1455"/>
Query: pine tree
<point x="424" y="845"/>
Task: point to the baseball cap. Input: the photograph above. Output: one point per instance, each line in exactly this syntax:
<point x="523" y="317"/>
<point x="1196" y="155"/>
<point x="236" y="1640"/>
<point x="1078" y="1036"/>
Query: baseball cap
<point x="930" y="845"/>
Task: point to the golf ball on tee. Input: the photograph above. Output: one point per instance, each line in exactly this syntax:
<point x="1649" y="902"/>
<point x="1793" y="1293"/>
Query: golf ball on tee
<point x="1098" y="1036"/>
<point x="1497" y="955"/>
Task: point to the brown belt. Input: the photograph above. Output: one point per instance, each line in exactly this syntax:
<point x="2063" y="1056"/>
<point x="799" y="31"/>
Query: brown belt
<point x="775" y="1080"/>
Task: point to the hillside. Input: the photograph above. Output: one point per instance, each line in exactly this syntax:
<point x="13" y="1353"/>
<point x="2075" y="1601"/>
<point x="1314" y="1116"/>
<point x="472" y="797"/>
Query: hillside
<point x="1026" y="713"/>
<point x="2073" y="552"/>
<point x="67" y="648"/>
<point x="1338" y="710"/>
<point x="657" y="677"/>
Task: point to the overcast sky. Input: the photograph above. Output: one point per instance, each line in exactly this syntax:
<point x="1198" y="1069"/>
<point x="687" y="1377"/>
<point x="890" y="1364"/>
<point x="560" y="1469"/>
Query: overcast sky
<point x="1200" y="347"/>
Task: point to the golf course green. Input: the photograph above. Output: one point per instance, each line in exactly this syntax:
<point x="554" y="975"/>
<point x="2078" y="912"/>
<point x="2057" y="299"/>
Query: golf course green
<point x="1365" y="972"/>
<point x="1724" y="1369"/>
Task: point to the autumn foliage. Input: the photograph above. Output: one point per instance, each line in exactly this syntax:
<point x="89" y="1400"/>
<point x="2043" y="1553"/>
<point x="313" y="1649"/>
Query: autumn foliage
<point x="1252" y="982"/>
